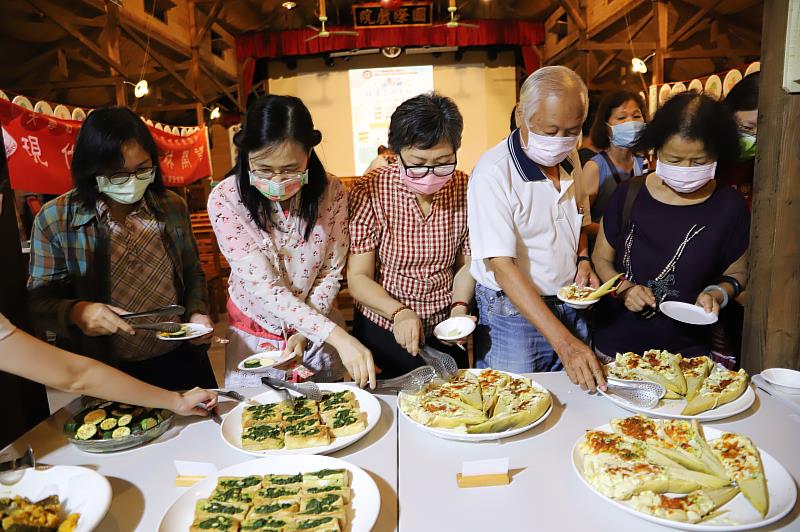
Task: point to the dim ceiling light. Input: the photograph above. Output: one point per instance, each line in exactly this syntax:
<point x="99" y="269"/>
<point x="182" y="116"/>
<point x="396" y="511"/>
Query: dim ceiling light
<point x="289" y="5"/>
<point x="640" y="65"/>
<point x="140" y="89"/>
<point x="214" y="112"/>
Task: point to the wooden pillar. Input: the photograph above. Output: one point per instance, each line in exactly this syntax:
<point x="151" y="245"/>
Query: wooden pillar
<point x="194" y="69"/>
<point x="662" y="21"/>
<point x="772" y="314"/>
<point x="112" y="34"/>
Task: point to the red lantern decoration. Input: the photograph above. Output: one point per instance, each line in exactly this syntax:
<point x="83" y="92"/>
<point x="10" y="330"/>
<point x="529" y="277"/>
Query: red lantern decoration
<point x="391" y="5"/>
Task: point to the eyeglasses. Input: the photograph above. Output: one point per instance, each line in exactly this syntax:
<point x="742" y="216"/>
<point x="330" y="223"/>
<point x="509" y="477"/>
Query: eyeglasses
<point x="120" y="178"/>
<point x="420" y="171"/>
<point x="270" y="175"/>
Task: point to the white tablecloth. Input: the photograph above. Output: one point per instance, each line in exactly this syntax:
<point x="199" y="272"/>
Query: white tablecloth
<point x="419" y="470"/>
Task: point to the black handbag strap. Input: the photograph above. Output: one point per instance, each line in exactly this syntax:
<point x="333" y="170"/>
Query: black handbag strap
<point x="612" y="167"/>
<point x="634" y="186"/>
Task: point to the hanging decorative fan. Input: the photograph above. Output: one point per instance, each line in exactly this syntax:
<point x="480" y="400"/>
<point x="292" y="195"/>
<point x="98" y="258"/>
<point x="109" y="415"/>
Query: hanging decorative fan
<point x="454" y="21"/>
<point x="322" y="32"/>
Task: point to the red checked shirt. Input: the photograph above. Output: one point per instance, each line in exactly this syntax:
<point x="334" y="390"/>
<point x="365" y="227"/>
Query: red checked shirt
<point x="415" y="256"/>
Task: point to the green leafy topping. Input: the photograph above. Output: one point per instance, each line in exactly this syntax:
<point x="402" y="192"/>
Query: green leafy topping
<point x="261" y="432"/>
<point x="272" y="508"/>
<point x="220" y="508"/>
<point x="313" y="523"/>
<point x="323" y="505"/>
<point x="343" y="418"/>
<point x="215" y="522"/>
<point x="294" y="479"/>
<point x="232" y="494"/>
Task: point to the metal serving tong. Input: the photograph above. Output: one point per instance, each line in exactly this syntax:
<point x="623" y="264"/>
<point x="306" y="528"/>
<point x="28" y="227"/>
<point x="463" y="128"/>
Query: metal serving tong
<point x="169" y="310"/>
<point x="642" y="394"/>
<point x="306" y="389"/>
<point x="444" y="365"/>
<point x="236" y="396"/>
<point x="25" y="461"/>
<point x="161" y="326"/>
<point x="411" y="382"/>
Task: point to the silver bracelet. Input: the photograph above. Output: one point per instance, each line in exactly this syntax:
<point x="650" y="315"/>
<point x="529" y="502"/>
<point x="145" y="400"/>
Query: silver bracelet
<point x="722" y="290"/>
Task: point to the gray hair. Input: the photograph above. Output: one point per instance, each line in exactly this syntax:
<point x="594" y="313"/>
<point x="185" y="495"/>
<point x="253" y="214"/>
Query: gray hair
<point x="549" y="80"/>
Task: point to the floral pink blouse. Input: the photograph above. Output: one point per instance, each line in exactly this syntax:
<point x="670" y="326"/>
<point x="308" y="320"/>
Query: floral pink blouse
<point x="276" y="275"/>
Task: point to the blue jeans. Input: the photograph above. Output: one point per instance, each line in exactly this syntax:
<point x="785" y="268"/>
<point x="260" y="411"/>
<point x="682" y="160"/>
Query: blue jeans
<point x="505" y="340"/>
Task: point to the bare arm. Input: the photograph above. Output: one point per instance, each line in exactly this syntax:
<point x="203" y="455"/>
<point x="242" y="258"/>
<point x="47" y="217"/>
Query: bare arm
<point x="712" y="299"/>
<point x="33" y="359"/>
<point x="579" y="361"/>
<point x="463" y="284"/>
<point x="363" y="287"/>
<point x="591" y="183"/>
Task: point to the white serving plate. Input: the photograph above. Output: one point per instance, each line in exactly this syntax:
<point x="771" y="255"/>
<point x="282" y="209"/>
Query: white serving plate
<point x="366" y="502"/>
<point x="672" y="408"/>
<point x="687" y="313"/>
<point x="275" y="356"/>
<point x="738" y="513"/>
<point x="231" y="428"/>
<point x="783" y="380"/>
<point x="464" y="325"/>
<point x="80" y="490"/>
<point x="195" y="331"/>
<point x="454" y="434"/>
<point x="578" y="304"/>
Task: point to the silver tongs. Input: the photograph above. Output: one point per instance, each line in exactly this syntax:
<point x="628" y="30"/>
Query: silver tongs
<point x="412" y="382"/>
<point x="306" y="389"/>
<point x="25" y="461"/>
<point x="643" y="394"/>
<point x="161" y="326"/>
<point x="169" y="310"/>
<point x="442" y="363"/>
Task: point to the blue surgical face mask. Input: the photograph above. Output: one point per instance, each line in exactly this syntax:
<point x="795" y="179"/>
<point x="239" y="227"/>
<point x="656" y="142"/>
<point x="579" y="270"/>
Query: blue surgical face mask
<point x="624" y="135"/>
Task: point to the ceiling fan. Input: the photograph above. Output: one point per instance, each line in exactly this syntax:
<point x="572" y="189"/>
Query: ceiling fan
<point x="322" y="32"/>
<point x="455" y="22"/>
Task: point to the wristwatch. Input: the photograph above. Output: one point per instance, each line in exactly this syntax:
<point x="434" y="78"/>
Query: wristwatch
<point x="582" y="258"/>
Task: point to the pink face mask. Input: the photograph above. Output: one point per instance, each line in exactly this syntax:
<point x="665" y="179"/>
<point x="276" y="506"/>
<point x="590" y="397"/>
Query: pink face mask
<point x="428" y="184"/>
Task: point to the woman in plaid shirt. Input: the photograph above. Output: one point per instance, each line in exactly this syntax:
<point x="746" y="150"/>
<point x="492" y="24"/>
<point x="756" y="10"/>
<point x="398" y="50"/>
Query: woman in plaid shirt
<point x="120" y="242"/>
<point x="409" y="244"/>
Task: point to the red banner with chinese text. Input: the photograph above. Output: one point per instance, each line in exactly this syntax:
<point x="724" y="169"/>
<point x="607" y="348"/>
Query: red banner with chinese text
<point x="39" y="150"/>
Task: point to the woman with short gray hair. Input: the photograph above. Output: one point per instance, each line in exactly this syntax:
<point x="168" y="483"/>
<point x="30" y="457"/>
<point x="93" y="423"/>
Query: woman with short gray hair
<point x="409" y="247"/>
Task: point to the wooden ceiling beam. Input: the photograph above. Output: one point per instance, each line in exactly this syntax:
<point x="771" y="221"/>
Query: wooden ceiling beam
<point x="637" y="28"/>
<point x="164" y="62"/>
<point x="74" y="84"/>
<point x="613" y="46"/>
<point x="167" y="107"/>
<point x="573" y="13"/>
<point x="53" y="15"/>
<point x="221" y="87"/>
<point x="692" y="22"/>
<point x="613" y="19"/>
<point x="210" y="20"/>
<point x="741" y="29"/>
<point x="721" y="52"/>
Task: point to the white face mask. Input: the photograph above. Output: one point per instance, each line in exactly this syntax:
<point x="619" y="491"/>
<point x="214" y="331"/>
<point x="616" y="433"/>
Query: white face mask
<point x="128" y="192"/>
<point x="549" y="151"/>
<point x="685" y="179"/>
<point x="624" y="135"/>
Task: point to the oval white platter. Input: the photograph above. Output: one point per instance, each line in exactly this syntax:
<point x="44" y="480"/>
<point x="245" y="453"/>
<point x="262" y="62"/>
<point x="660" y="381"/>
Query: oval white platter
<point x="672" y="408"/>
<point x="231" y="428"/>
<point x="80" y="490"/>
<point x="738" y="514"/>
<point x="457" y="435"/>
<point x="366" y="498"/>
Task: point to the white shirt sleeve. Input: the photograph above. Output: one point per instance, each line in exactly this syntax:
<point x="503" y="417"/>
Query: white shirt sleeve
<point x="6" y="328"/>
<point x="492" y="230"/>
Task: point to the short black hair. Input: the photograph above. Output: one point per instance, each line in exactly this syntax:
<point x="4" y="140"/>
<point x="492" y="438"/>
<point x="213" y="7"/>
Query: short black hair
<point x="98" y="150"/>
<point x="272" y="120"/>
<point x="693" y="116"/>
<point x="612" y="100"/>
<point x="744" y="95"/>
<point x="424" y="121"/>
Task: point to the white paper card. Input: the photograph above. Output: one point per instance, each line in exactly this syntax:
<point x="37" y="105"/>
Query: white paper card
<point x="497" y="466"/>
<point x="195" y="469"/>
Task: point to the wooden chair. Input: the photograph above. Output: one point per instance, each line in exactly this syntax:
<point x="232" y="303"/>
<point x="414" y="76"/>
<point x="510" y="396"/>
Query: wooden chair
<point x="215" y="267"/>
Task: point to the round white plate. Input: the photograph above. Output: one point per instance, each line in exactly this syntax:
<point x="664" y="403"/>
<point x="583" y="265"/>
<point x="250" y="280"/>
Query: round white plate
<point x="78" y="114"/>
<point x="576" y="304"/>
<point x="366" y="502"/>
<point x="463" y="325"/>
<point x="754" y="67"/>
<point x="453" y="434"/>
<point x="231" y="428"/>
<point x="195" y="331"/>
<point x="738" y="514"/>
<point x="3" y="96"/>
<point x="696" y="85"/>
<point x="687" y="313"/>
<point x="731" y="79"/>
<point x="678" y="88"/>
<point x="23" y="102"/>
<point x="42" y="107"/>
<point x="274" y="356"/>
<point x="80" y="490"/>
<point x="714" y="86"/>
<point x="672" y="408"/>
<point x="664" y="94"/>
<point x="61" y="111"/>
<point x="783" y="379"/>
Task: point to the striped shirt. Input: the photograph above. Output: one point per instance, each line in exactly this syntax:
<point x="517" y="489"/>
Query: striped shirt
<point x="415" y="255"/>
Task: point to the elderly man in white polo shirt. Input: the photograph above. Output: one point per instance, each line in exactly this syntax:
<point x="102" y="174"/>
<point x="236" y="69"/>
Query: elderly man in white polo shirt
<point x="526" y="213"/>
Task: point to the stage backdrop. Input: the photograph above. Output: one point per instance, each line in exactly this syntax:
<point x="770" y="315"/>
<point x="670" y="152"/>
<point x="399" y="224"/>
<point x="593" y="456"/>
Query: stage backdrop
<point x="40" y="151"/>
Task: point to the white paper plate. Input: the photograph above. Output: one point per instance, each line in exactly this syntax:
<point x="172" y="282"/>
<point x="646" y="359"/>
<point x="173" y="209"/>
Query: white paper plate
<point x="465" y="326"/>
<point x="687" y="313"/>
<point x="275" y="356"/>
<point x="672" y="408"/>
<point x="61" y="111"/>
<point x="754" y="67"/>
<point x="664" y="94"/>
<point x="366" y="498"/>
<point x="678" y="88"/>
<point x="453" y="434"/>
<point x="731" y="79"/>
<point x="42" y="107"/>
<point x="696" y="85"/>
<point x="231" y="428"/>
<point x="78" y="114"/>
<point x="195" y="331"/>
<point x="738" y="514"/>
<point x="23" y="102"/>
<point x="80" y="490"/>
<point x="576" y="304"/>
<point x="714" y="86"/>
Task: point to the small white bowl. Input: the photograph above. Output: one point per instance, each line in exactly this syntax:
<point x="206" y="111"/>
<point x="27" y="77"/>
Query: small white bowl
<point x="579" y="305"/>
<point x="460" y="325"/>
<point x="784" y="380"/>
<point x="267" y="360"/>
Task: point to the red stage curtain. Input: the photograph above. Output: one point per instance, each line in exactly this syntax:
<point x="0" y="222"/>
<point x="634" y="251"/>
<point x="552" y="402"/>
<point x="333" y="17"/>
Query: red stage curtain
<point x="277" y="45"/>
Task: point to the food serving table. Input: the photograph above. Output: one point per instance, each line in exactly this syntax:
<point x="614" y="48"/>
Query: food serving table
<point x="419" y="470"/>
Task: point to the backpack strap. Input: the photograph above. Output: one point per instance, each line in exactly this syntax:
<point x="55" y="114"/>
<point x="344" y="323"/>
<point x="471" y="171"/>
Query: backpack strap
<point x="612" y="167"/>
<point x="634" y="186"/>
